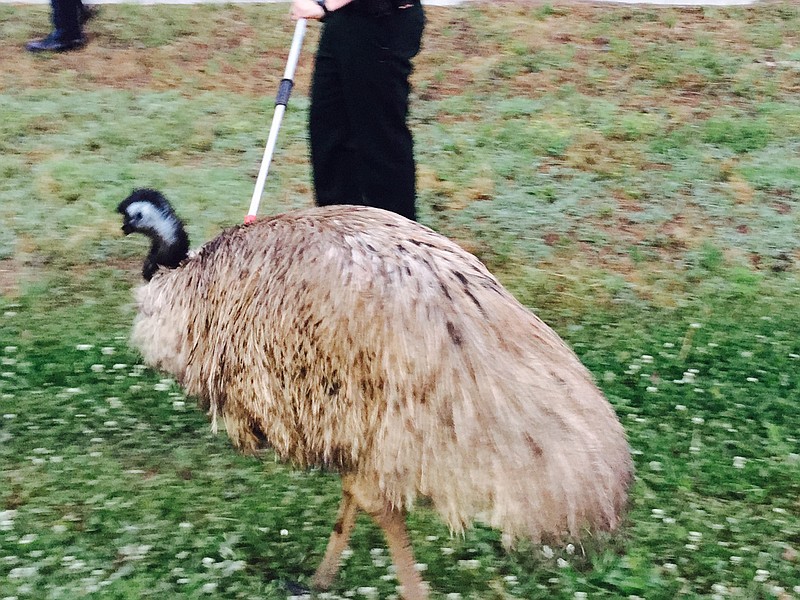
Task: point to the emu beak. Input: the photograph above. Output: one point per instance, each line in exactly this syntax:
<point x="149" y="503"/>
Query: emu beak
<point x="126" y="228"/>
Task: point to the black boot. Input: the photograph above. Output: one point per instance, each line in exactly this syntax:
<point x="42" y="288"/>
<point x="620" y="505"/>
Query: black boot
<point x="56" y="43"/>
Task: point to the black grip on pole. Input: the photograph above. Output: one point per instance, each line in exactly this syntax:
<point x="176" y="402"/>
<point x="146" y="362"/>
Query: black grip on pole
<point x="284" y="91"/>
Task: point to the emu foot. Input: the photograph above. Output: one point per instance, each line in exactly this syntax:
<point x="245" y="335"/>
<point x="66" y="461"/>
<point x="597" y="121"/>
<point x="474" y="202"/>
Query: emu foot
<point x="295" y="588"/>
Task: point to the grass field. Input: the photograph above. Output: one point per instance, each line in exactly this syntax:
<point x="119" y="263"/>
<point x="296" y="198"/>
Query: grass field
<point x="631" y="174"/>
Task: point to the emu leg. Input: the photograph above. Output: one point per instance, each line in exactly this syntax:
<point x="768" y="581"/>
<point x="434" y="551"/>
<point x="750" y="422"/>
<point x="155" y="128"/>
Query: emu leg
<point x="345" y="520"/>
<point x="393" y="523"/>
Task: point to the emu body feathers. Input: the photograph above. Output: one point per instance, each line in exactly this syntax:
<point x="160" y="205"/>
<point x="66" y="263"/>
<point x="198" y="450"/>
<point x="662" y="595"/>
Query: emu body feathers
<point x="354" y="339"/>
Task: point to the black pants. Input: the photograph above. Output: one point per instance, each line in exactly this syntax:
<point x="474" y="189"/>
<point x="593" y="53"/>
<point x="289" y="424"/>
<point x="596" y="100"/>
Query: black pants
<point x="66" y="16"/>
<point x="361" y="148"/>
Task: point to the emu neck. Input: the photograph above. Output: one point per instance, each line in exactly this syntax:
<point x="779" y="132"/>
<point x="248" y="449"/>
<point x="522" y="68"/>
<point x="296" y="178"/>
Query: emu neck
<point x="169" y="247"/>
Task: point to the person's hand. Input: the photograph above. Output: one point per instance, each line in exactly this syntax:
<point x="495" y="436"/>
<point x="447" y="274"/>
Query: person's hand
<point x="306" y="9"/>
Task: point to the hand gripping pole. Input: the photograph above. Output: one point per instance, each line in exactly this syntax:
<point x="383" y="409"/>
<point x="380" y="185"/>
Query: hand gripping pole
<point x="282" y="99"/>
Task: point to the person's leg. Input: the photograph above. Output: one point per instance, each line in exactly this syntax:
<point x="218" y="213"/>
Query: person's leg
<point x="66" y="19"/>
<point x="332" y="150"/>
<point x="376" y="64"/>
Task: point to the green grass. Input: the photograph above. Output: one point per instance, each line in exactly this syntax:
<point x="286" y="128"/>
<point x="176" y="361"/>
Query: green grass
<point x="631" y="174"/>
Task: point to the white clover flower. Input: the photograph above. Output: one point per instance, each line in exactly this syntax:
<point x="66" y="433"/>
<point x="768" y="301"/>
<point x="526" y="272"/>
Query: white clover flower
<point x="761" y="575"/>
<point x="655" y="465"/>
<point x="695" y="536"/>
<point x="23" y="572"/>
<point x="547" y="551"/>
<point x="562" y="564"/>
<point x="736" y="560"/>
<point x="739" y="462"/>
<point x="670" y="567"/>
<point x="752" y="379"/>
<point x="680" y="407"/>
<point x="368" y="592"/>
<point x="284" y="532"/>
<point x="134" y="551"/>
<point x="696" y="325"/>
<point x="233" y="566"/>
<point x="84" y="347"/>
<point x="98" y="368"/>
<point x="27" y="539"/>
<point x="470" y="564"/>
<point x="570" y="549"/>
<point x="10" y="349"/>
<point x="107" y="350"/>
<point x="652" y="389"/>
<point x="581" y="595"/>
<point x="76" y="565"/>
<point x="209" y="588"/>
<point x="446" y="551"/>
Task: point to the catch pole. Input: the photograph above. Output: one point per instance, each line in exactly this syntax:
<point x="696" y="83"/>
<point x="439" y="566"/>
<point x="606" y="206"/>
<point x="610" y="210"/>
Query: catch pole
<point x="282" y="99"/>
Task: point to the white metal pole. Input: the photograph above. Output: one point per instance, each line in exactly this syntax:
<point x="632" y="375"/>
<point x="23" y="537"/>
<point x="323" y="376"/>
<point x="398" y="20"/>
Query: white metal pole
<point x="284" y="91"/>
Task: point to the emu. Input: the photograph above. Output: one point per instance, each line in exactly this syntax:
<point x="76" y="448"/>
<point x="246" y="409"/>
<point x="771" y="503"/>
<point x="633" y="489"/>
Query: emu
<point x="352" y="339"/>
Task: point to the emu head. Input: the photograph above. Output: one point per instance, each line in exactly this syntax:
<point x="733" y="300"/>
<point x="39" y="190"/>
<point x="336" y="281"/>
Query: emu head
<point x="148" y="212"/>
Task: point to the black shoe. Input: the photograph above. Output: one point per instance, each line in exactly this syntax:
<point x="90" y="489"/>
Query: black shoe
<point x="87" y="13"/>
<point x="53" y="43"/>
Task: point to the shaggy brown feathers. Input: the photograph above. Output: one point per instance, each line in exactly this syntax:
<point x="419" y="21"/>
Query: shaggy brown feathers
<point x="354" y="339"/>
